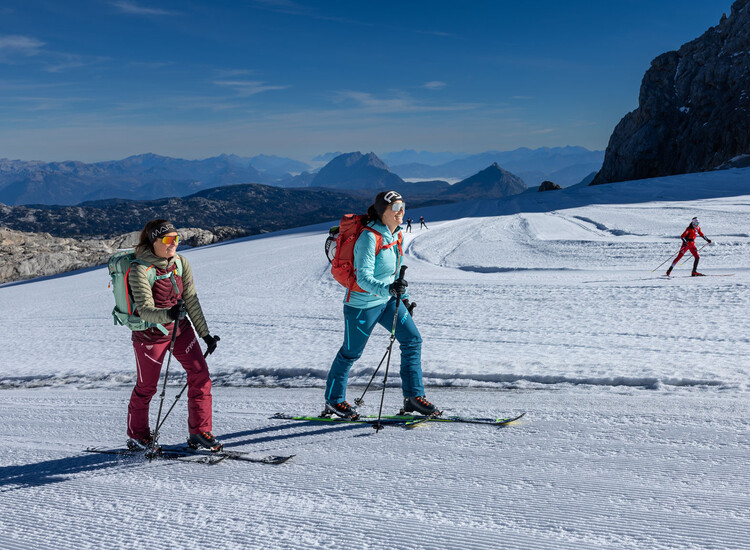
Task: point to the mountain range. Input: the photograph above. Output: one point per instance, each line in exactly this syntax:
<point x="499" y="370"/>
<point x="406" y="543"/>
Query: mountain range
<point x="255" y="208"/>
<point x="150" y="176"/>
<point x="137" y="177"/>
<point x="563" y="165"/>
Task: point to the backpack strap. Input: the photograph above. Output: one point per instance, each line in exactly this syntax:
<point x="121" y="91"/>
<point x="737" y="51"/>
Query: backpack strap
<point x="152" y="278"/>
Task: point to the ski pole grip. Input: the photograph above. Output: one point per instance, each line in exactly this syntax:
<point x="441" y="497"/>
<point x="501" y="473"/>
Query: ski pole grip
<point x="401" y="273"/>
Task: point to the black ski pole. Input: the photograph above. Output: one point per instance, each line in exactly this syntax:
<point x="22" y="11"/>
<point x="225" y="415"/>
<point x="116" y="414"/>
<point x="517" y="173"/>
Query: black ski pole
<point x="359" y="401"/>
<point x="177" y="398"/>
<point x="378" y="426"/>
<point x="155" y="436"/>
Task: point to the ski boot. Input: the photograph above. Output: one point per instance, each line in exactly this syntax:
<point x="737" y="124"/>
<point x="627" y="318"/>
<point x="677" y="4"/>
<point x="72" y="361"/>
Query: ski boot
<point x="343" y="410"/>
<point x="145" y="445"/>
<point x="669" y="271"/>
<point x="140" y="443"/>
<point x="696" y="274"/>
<point x="204" y="440"/>
<point x="419" y="405"/>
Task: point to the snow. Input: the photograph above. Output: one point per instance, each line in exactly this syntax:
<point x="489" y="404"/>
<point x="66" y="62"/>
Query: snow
<point x="635" y="389"/>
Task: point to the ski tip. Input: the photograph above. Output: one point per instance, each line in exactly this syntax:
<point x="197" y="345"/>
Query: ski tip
<point x="506" y="421"/>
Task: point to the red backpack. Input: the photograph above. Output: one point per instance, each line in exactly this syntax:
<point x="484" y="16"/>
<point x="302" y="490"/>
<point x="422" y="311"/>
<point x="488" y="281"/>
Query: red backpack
<point x="340" y="248"/>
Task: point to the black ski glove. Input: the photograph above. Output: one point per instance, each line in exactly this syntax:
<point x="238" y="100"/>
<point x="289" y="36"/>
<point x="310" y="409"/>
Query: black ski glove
<point x="409" y="306"/>
<point x="398" y="287"/>
<point x="177" y="311"/>
<point x="709" y="241"/>
<point x="210" y="343"/>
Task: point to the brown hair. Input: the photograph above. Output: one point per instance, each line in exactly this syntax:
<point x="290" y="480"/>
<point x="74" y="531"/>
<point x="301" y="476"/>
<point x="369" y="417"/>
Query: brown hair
<point x="144" y="241"/>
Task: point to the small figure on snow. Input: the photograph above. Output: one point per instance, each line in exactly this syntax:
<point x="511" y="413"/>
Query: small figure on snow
<point x="374" y="302"/>
<point x="688" y="244"/>
<point x="408" y="225"/>
<point x="162" y="304"/>
<point x="421" y="223"/>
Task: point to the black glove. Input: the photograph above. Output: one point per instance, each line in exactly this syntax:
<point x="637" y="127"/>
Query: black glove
<point x="398" y="287"/>
<point x="709" y="241"/>
<point x="409" y="306"/>
<point x="210" y="343"/>
<point x="177" y="311"/>
<point x="684" y="240"/>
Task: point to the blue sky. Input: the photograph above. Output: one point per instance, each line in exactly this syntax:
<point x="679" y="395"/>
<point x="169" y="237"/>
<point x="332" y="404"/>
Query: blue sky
<point x="104" y="79"/>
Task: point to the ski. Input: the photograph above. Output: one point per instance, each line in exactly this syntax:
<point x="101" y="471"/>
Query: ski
<point x="338" y="420"/>
<point x="456" y="419"/>
<point x="186" y="454"/>
<point x="231" y="455"/>
<point x="404" y="420"/>
<point x="696" y="276"/>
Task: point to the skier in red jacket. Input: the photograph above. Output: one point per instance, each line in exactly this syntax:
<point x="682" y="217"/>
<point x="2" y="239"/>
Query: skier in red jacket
<point x="688" y="243"/>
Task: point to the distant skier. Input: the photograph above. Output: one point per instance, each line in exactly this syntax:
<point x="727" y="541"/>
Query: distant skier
<point x="161" y="303"/>
<point x="373" y="302"/>
<point x="408" y="225"/>
<point x="688" y="244"/>
<point x="421" y="223"/>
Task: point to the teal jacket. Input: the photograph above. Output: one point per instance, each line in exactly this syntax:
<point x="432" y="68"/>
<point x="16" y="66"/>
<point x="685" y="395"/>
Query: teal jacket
<point x="374" y="273"/>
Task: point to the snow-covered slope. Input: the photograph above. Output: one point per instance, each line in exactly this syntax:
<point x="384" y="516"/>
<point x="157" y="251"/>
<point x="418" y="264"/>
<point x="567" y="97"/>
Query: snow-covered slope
<point x="635" y="388"/>
<point x="541" y="295"/>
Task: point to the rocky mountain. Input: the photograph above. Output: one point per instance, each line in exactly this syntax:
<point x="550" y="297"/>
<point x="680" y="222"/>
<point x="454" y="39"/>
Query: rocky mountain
<point x="491" y="183"/>
<point x="356" y="171"/>
<point x="693" y="110"/>
<point x="253" y="208"/>
<point x="137" y="177"/>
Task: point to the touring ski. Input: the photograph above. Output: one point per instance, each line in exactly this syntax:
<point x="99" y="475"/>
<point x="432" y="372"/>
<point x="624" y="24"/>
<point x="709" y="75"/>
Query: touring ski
<point x="456" y="419"/>
<point x="194" y="455"/>
<point x="404" y="420"/>
<point x="338" y="420"/>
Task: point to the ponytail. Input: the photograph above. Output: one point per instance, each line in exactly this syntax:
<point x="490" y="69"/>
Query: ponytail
<point x="372" y="214"/>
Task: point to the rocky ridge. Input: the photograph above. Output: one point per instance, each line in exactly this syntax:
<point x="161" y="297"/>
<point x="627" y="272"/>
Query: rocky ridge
<point x="27" y="255"/>
<point x="693" y="111"/>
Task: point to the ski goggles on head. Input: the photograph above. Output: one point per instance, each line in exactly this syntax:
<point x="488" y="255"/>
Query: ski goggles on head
<point x="396" y="206"/>
<point x="171" y="239"/>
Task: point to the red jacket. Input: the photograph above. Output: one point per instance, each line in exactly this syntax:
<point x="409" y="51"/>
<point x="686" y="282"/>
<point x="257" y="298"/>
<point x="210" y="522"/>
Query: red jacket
<point x="689" y="235"/>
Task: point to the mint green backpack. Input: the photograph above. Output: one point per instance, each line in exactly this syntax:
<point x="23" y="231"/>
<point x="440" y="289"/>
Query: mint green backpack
<point x="119" y="268"/>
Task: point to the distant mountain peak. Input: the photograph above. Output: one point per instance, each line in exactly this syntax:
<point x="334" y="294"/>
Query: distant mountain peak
<point x="492" y="182"/>
<point x="356" y="171"/>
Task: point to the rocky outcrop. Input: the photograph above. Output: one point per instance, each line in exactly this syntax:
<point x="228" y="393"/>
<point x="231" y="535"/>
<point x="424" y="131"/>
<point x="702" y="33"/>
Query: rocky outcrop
<point x="693" y="111"/>
<point x="29" y="255"/>
<point x="549" y="186"/>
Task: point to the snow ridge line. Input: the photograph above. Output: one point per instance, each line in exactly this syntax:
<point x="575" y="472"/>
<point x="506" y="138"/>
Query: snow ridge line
<point x="303" y="378"/>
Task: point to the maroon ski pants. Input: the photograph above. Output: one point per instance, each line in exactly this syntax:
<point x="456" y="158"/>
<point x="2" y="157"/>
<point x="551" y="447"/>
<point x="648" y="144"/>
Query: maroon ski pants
<point x="149" y="357"/>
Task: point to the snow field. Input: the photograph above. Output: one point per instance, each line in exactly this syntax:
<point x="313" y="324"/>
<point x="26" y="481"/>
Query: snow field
<point x="635" y="388"/>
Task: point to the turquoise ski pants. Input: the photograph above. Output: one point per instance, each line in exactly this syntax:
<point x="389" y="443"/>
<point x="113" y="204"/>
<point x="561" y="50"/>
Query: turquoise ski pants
<point x="358" y="325"/>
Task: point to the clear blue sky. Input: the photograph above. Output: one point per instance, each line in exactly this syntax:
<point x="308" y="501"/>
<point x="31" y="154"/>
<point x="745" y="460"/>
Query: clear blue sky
<point x="103" y="79"/>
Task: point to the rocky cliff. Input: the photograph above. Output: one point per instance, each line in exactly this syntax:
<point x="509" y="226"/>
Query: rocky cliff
<point x="693" y="110"/>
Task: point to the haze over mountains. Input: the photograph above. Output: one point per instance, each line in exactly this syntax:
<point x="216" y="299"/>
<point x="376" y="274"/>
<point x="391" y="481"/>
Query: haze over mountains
<point x="150" y="176"/>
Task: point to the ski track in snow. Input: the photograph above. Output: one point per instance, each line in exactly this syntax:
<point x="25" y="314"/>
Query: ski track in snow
<point x="635" y="389"/>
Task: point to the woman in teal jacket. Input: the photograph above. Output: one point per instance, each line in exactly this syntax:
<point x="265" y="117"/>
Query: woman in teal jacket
<point x="377" y="277"/>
